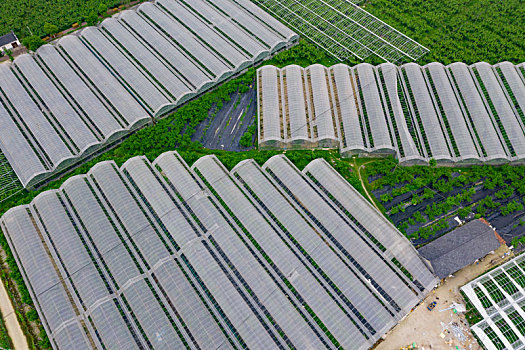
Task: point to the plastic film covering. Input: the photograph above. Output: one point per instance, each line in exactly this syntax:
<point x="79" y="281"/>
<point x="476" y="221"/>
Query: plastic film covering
<point x="357" y="296"/>
<point x="513" y="85"/>
<point x="29" y="116"/>
<point x="222" y="21"/>
<point x="347" y="109"/>
<point x="297" y="116"/>
<point x="322" y="111"/>
<point x="450" y="112"/>
<point x="51" y="298"/>
<point x="477" y="112"/>
<point x="350" y="201"/>
<point x="105" y="121"/>
<point x="425" y="117"/>
<point x="58" y="109"/>
<point x="395" y="100"/>
<point x="360" y="251"/>
<point x="184" y="38"/>
<point x="287" y="263"/>
<point x="504" y="115"/>
<point x="262" y="283"/>
<point x="453" y="114"/>
<point x="130" y="75"/>
<point x="172" y="56"/>
<point x="167" y="79"/>
<point x="100" y="80"/>
<point x="95" y="296"/>
<point x="374" y="106"/>
<point x="270" y="113"/>
<point x="90" y="89"/>
<point x="161" y="255"/>
<point x="204" y="30"/>
<point x="20" y="154"/>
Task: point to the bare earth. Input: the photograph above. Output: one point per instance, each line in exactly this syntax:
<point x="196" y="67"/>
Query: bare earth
<point x="424" y="328"/>
<point x="11" y="322"/>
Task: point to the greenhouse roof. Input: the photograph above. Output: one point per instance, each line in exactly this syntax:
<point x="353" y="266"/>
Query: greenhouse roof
<point x="163" y="255"/>
<point x="71" y="99"/>
<point x="499" y="298"/>
<point x="452" y="114"/>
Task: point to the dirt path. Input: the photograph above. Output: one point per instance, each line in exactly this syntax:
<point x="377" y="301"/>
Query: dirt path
<point x="423" y="327"/>
<point x="13" y="327"/>
<point x="358" y="169"/>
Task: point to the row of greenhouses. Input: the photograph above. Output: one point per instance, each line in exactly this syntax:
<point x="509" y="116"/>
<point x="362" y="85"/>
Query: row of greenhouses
<point x="450" y="114"/>
<point x="86" y="91"/>
<point x="499" y="298"/>
<point x="163" y="255"/>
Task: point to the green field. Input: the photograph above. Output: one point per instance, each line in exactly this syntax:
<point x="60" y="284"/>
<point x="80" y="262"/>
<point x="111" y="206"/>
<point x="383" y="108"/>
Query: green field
<point x="422" y="201"/>
<point x="26" y="16"/>
<point x="459" y="30"/>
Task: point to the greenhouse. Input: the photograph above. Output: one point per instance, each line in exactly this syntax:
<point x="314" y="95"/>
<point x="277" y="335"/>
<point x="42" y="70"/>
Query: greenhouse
<point x="344" y="29"/>
<point x="164" y="255"/>
<point x="86" y="91"/>
<point x="499" y="298"/>
<point x="455" y="114"/>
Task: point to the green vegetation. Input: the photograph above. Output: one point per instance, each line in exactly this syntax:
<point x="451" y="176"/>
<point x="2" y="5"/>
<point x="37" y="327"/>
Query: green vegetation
<point x="472" y="314"/>
<point x="39" y="17"/>
<point x="304" y="54"/>
<point x="440" y="193"/>
<point x="50" y="29"/>
<point x="459" y="30"/>
<point x="9" y="183"/>
<point x="247" y="138"/>
<point x="511" y="207"/>
<point x="516" y="241"/>
<point x="5" y="341"/>
<point x="33" y="42"/>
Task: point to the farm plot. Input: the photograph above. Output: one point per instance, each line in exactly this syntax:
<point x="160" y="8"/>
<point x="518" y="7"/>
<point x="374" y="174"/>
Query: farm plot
<point x="423" y="202"/>
<point x="227" y="122"/>
<point x="344" y="29"/>
<point x="459" y="30"/>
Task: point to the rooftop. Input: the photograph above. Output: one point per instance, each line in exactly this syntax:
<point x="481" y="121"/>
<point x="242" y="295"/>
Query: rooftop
<point x="461" y="247"/>
<point x="7" y="39"/>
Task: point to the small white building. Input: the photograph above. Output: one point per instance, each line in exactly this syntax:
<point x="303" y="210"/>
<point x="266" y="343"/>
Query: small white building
<point x="9" y="42"/>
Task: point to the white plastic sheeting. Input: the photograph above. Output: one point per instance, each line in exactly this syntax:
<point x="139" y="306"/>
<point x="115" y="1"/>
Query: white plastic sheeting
<point x="87" y="90"/>
<point x="161" y="255"/>
<point x="453" y="114"/>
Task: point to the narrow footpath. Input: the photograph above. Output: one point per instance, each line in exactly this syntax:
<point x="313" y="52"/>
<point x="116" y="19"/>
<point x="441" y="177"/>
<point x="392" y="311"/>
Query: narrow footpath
<point x="358" y="169"/>
<point x="11" y="322"/>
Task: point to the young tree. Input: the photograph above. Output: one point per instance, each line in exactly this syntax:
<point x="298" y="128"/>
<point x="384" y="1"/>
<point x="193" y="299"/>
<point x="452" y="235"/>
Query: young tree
<point x="10" y="54"/>
<point x="33" y="42"/>
<point x="92" y="19"/>
<point x="50" y="29"/>
<point x="102" y="9"/>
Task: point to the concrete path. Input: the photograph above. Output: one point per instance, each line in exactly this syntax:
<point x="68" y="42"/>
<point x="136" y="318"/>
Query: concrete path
<point x="13" y="327"/>
<point x="423" y="327"/>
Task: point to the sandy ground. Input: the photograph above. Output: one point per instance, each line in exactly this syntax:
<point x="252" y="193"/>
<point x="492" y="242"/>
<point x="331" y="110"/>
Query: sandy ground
<point x="13" y="327"/>
<point x="424" y="328"/>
